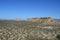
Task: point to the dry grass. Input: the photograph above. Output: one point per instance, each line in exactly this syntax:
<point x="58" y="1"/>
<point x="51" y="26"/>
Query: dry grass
<point x="13" y="30"/>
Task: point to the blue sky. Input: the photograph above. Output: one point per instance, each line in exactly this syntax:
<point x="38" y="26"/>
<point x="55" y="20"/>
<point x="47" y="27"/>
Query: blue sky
<point x="11" y="9"/>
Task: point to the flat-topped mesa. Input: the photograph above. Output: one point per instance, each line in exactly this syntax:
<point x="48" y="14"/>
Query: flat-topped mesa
<point x="42" y="19"/>
<point x="18" y="19"/>
<point x="47" y="19"/>
<point x="33" y="19"/>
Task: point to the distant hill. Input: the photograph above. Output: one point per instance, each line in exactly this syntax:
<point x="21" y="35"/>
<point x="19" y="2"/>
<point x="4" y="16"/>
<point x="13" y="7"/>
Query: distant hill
<point x="57" y="20"/>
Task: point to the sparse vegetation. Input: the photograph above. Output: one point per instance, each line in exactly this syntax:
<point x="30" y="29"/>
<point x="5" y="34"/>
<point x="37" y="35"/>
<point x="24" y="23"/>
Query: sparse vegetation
<point x="24" y="30"/>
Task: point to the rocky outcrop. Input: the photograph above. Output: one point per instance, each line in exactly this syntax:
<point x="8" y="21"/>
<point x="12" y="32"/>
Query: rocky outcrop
<point x="18" y="19"/>
<point x="33" y="19"/>
<point x="42" y="19"/>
